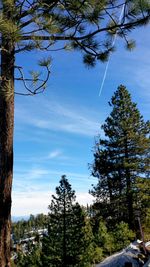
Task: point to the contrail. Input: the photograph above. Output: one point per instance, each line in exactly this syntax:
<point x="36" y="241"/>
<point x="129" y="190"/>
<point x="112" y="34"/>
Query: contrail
<point x="107" y="65"/>
<point x="104" y="77"/>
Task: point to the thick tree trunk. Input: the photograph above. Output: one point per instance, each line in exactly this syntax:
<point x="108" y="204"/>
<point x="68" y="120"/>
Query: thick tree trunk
<point x="6" y="147"/>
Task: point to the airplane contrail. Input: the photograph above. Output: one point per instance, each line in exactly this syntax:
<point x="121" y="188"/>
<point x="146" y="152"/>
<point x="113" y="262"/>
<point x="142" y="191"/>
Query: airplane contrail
<point x="107" y="65"/>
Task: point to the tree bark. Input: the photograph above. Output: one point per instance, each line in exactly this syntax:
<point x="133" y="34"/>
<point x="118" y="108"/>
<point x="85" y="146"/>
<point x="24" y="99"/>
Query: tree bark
<point x="129" y="193"/>
<point x="6" y="147"/>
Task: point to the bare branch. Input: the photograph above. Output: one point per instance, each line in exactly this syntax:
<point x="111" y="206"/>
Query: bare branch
<point x="37" y="90"/>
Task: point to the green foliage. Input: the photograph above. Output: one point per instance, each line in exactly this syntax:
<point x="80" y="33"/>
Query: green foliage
<point x="143" y="204"/>
<point x="68" y="237"/>
<point x="104" y="239"/>
<point x="40" y="24"/>
<point x="122" y="236"/>
<point x="28" y="228"/>
<point x="131" y="45"/>
<point x="35" y="76"/>
<point x="98" y="254"/>
<point x="45" y="62"/>
<point x="8" y="27"/>
<point x="120" y="159"/>
<point x="146" y="226"/>
<point x="89" y="60"/>
<point x="104" y="56"/>
<point x="31" y="259"/>
<point x="43" y="25"/>
<point x="92" y="253"/>
<point x="110" y="241"/>
<point x="13" y="264"/>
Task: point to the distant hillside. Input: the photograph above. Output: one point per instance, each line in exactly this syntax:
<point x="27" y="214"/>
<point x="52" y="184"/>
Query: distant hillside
<point x="19" y="218"/>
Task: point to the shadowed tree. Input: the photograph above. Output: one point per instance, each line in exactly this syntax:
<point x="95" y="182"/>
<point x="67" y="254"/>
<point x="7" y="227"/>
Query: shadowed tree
<point x="88" y="26"/>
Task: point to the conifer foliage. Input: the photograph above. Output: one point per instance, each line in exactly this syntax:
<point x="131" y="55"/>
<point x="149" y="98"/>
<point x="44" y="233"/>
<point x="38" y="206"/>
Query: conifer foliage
<point x="27" y="25"/>
<point x="121" y="160"/>
<point x="66" y="242"/>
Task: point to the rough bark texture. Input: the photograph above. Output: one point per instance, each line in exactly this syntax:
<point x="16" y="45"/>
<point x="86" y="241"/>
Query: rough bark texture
<point x="6" y="147"/>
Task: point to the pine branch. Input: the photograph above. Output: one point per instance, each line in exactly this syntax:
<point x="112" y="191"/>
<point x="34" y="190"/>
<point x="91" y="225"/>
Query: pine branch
<point x="38" y="89"/>
<point x="123" y="26"/>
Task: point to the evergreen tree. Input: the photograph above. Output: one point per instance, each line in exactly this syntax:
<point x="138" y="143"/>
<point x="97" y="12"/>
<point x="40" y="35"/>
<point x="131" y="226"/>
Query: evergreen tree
<point x="105" y="239"/>
<point x="122" y="236"/>
<point x="30" y="259"/>
<point x="143" y="204"/>
<point x="28" y="228"/>
<point x="65" y="244"/>
<point x="121" y="159"/>
<point x="39" y="25"/>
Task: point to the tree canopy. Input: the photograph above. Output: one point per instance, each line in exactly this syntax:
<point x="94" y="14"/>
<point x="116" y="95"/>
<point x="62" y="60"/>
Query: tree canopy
<point x="121" y="160"/>
<point x="67" y="241"/>
<point x="87" y="26"/>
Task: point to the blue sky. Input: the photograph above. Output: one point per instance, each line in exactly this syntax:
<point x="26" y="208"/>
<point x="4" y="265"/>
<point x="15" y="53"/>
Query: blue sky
<point x="55" y="131"/>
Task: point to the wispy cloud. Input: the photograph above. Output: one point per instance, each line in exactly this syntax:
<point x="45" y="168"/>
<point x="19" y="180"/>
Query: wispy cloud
<point x="136" y="71"/>
<point x="41" y="180"/>
<point x="32" y="174"/>
<point x="38" y="173"/>
<point x="58" y="117"/>
<point x="143" y="80"/>
<point x="54" y="154"/>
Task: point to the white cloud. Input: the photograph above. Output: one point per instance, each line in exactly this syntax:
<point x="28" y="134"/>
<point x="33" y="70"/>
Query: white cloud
<point x="37" y="202"/>
<point x="58" y="117"/>
<point x="32" y="174"/>
<point x="41" y="179"/>
<point x="84" y="198"/>
<point x="32" y="189"/>
<point x="30" y="203"/>
<point x="54" y="154"/>
<point x="37" y="173"/>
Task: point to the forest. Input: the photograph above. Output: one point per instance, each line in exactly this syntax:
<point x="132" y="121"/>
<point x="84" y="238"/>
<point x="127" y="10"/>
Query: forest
<point x="74" y="235"/>
<point x="33" y="35"/>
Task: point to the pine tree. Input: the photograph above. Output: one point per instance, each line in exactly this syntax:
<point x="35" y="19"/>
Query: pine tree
<point x="143" y="204"/>
<point x="104" y="239"/>
<point x="65" y="243"/>
<point x="121" y="159"/>
<point x="30" y="259"/>
<point x="39" y="25"/>
<point x="122" y="236"/>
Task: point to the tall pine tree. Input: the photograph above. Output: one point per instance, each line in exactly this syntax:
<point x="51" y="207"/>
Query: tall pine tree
<point x="121" y="159"/>
<point x="66" y="242"/>
<point x="27" y="25"/>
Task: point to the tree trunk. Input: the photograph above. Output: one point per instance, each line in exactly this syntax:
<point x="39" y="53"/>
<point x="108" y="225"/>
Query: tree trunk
<point x="64" y="263"/>
<point x="6" y="147"/>
<point x="129" y="193"/>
